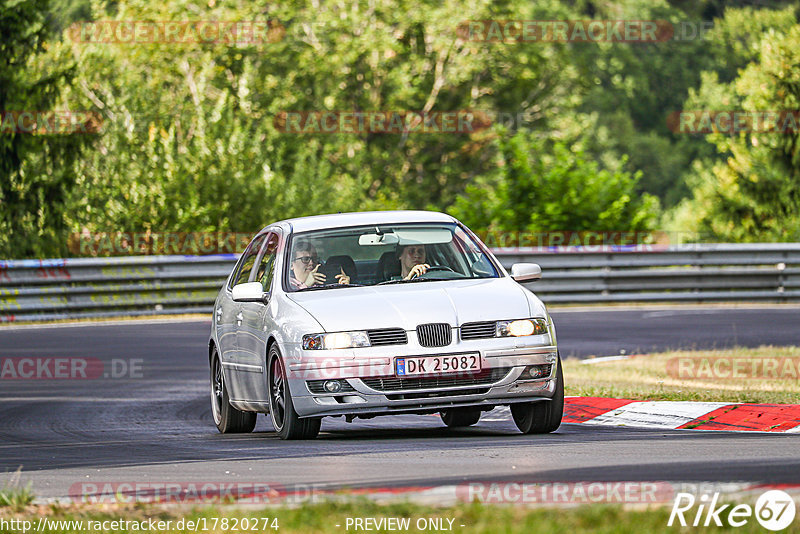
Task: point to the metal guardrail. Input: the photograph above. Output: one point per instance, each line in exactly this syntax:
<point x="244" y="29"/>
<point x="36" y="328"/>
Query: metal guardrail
<point x="44" y="290"/>
<point x="41" y="290"/>
<point x="687" y="273"/>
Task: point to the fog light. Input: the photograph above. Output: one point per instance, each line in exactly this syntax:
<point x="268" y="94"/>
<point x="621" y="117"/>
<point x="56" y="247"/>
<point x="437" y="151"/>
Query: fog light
<point x="332" y="386"/>
<point x="536" y="371"/>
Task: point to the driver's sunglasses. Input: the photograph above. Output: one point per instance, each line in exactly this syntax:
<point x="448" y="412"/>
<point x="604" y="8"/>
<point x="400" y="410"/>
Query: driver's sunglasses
<point x="308" y="259"/>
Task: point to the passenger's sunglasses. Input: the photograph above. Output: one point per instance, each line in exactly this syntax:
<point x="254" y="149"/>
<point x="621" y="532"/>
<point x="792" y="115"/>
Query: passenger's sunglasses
<point x="307" y="259"/>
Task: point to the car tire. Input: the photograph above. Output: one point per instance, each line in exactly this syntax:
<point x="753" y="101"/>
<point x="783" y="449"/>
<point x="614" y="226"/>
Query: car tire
<point x="460" y="417"/>
<point x="541" y="417"/>
<point x="287" y="423"/>
<point x="228" y="419"/>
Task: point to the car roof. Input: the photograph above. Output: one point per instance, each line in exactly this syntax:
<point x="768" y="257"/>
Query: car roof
<point x="343" y="220"/>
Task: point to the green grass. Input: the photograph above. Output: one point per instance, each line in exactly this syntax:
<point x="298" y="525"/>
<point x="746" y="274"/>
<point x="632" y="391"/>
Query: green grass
<point x="15" y="496"/>
<point x="648" y="377"/>
<point x="322" y="518"/>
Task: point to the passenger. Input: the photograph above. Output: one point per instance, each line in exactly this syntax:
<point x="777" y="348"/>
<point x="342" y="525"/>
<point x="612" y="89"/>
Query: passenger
<point x="305" y="268"/>
<point x="412" y="261"/>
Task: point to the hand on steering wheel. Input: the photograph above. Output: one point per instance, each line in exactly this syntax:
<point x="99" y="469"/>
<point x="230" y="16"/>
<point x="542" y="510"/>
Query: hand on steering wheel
<point x="417" y="270"/>
<point x="440" y="268"/>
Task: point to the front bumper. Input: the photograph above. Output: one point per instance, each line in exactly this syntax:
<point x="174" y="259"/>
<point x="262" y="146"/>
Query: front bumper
<point x="369" y="397"/>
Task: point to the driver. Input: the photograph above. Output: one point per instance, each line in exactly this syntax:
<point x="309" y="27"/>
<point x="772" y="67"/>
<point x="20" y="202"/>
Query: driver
<point x="412" y="261"/>
<point x="305" y="266"/>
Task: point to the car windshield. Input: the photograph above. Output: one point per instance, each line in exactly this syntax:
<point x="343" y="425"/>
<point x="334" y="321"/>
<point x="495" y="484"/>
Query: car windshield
<point x="385" y="254"/>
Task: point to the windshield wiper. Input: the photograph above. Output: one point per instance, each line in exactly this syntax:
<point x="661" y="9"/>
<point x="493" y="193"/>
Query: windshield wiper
<point x="328" y="286"/>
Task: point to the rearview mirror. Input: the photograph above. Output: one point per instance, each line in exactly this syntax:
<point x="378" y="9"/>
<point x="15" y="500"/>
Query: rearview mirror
<point x="250" y="292"/>
<point x="378" y="239"/>
<point x="526" y="272"/>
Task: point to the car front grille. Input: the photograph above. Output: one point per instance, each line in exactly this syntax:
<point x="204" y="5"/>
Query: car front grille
<point x="393" y="383"/>
<point x="387" y="336"/>
<point x="434" y="334"/>
<point x="479" y="330"/>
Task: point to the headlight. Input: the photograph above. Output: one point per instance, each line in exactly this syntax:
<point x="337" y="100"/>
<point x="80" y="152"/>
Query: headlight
<point x="336" y="340"/>
<point x="521" y="327"/>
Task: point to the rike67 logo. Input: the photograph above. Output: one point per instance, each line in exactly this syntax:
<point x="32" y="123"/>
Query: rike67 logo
<point x="774" y="510"/>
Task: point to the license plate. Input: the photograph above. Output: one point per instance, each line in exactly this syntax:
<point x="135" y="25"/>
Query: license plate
<point x="437" y="365"/>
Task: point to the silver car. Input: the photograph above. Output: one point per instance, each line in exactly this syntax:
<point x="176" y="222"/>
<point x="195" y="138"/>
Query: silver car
<point x="379" y="313"/>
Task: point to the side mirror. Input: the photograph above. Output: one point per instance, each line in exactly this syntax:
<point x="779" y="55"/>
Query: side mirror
<point x="525" y="272"/>
<point x="250" y="292"/>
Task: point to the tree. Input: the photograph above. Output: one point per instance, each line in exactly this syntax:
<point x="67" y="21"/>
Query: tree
<point x="190" y="139"/>
<point x="36" y="171"/>
<point x="550" y="184"/>
<point x="752" y="192"/>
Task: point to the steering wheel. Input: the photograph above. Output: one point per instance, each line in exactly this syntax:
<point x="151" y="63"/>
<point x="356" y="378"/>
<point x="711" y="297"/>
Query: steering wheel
<point x="439" y="268"/>
<point x="435" y="268"/>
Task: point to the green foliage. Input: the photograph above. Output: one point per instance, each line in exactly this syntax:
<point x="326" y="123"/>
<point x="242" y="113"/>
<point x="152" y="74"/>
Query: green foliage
<point x="633" y="86"/>
<point x="751" y="193"/>
<point x="35" y="171"/>
<point x="545" y="184"/>
<point x="189" y="140"/>
<point x="16" y="499"/>
<point x="736" y="37"/>
<point x="65" y="12"/>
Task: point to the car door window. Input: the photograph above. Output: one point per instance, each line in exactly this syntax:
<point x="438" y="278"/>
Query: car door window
<point x="266" y="267"/>
<point x="248" y="260"/>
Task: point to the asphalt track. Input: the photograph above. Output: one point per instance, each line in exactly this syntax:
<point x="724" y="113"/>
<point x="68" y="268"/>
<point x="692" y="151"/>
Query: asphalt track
<point x="157" y="428"/>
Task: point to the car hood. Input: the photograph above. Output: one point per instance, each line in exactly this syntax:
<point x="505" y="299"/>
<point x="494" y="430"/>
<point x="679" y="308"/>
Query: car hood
<point x="407" y="305"/>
